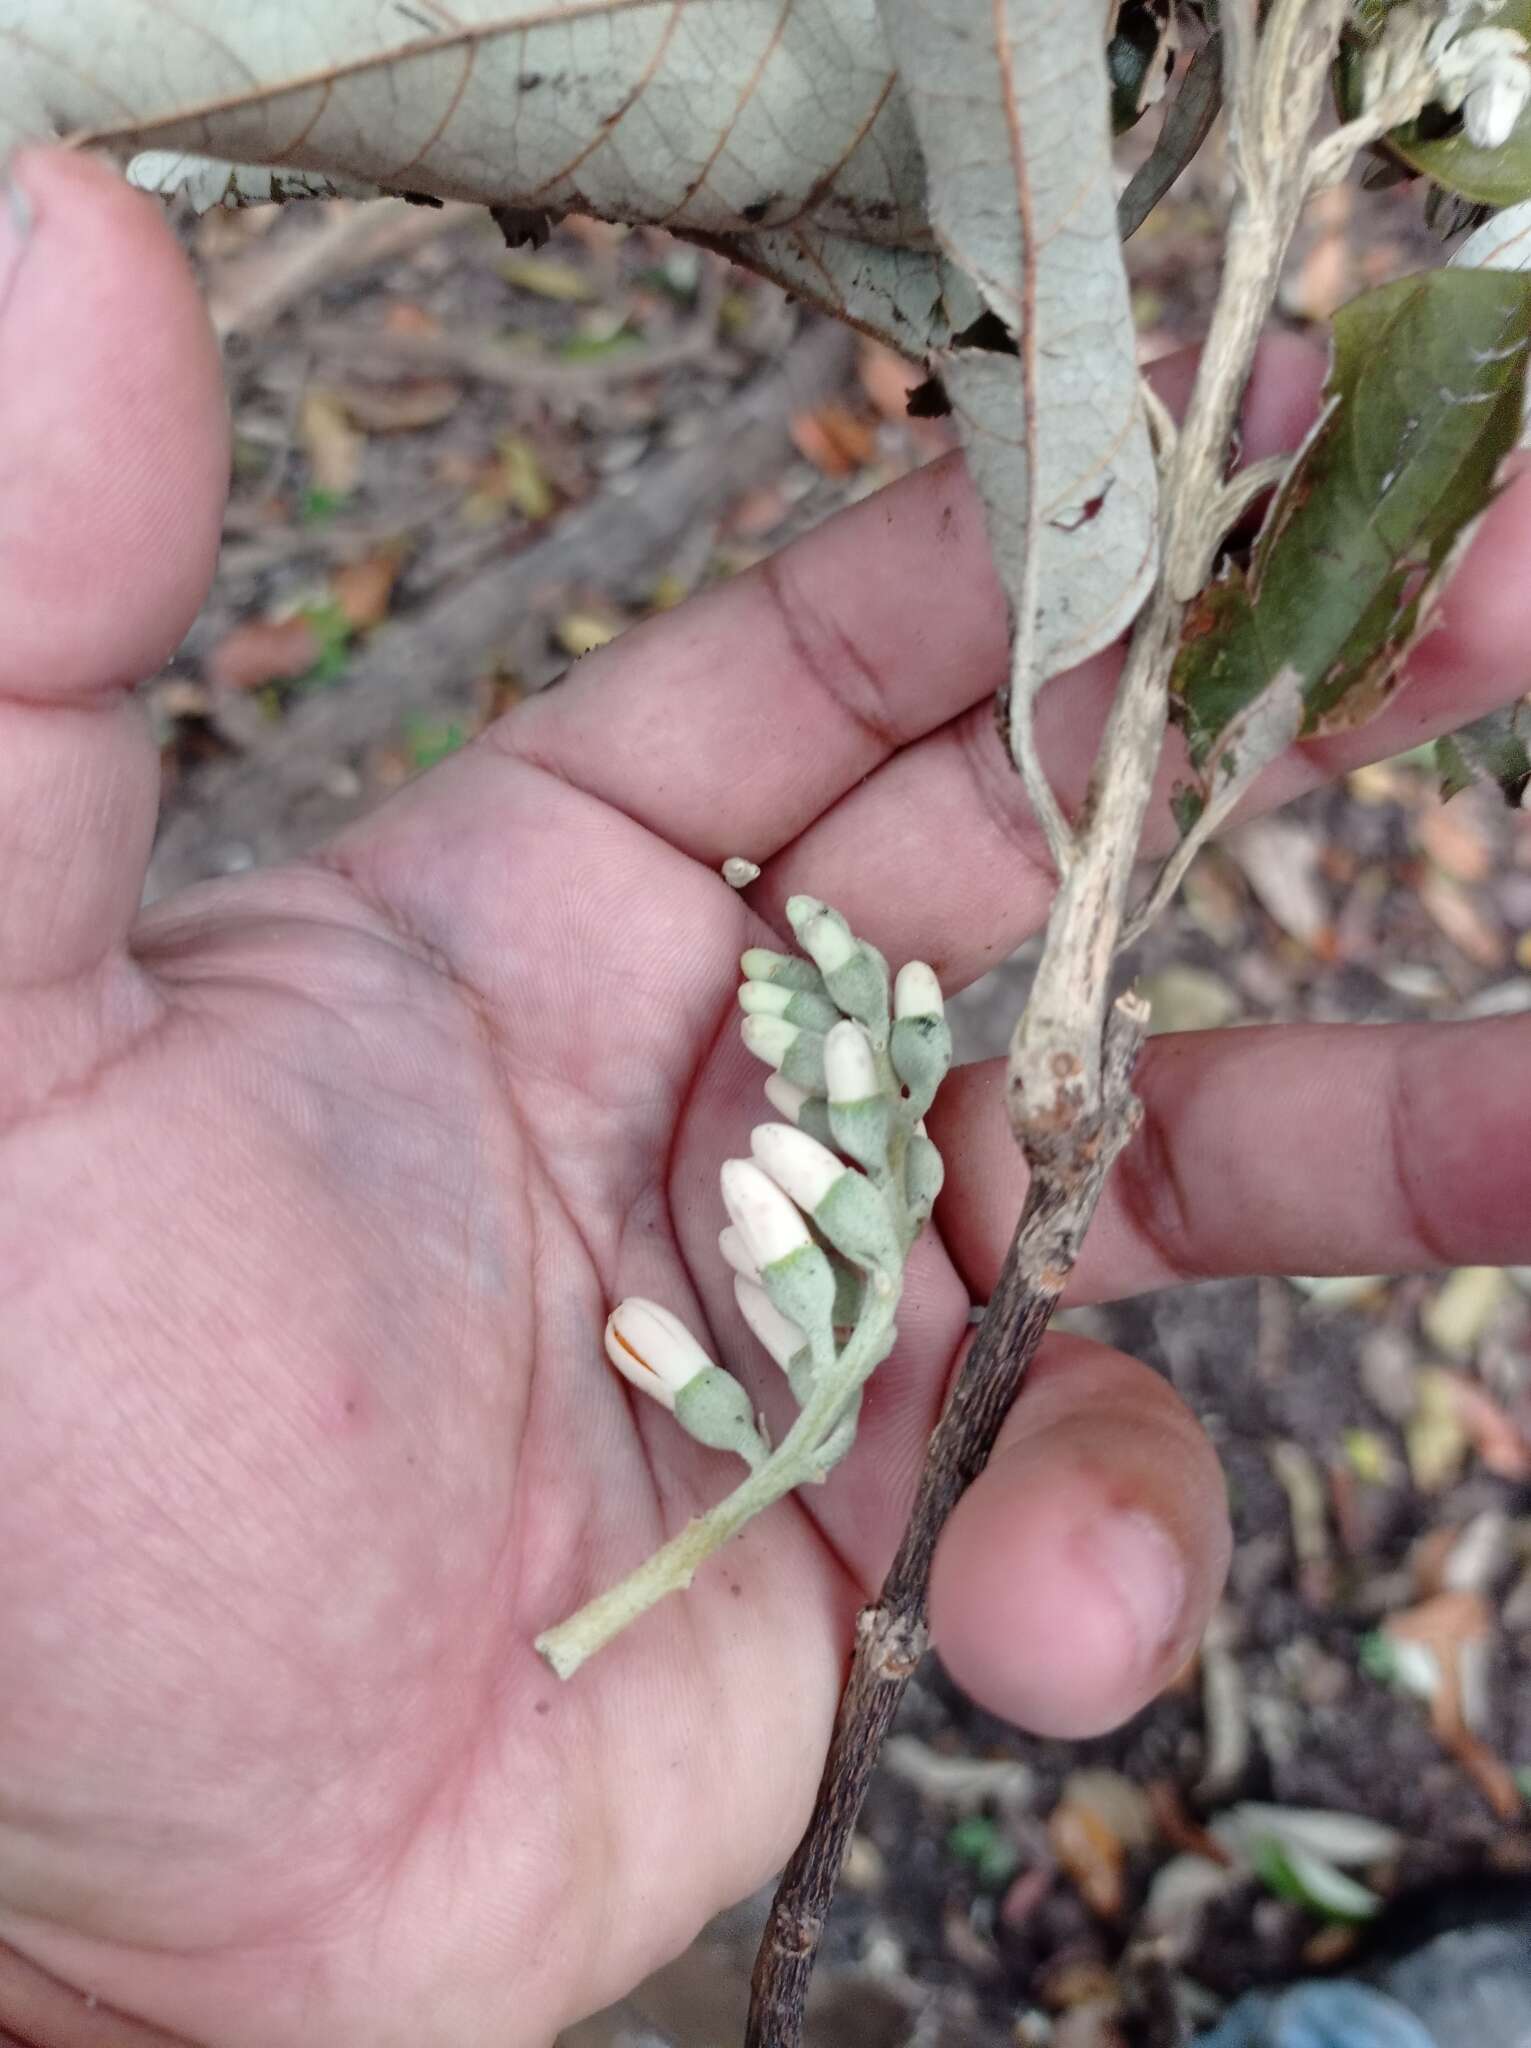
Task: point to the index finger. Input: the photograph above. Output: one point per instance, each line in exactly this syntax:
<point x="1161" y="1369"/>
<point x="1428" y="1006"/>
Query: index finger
<point x="731" y="725"/>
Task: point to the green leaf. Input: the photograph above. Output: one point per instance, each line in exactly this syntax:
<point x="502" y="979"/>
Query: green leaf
<point x="431" y="740"/>
<point x="318" y="506"/>
<point x="983" y="1844"/>
<point x="1310" y="1881"/>
<point x="1491" y="749"/>
<point x="332" y="630"/>
<point x="1424" y="402"/>
<point x="595" y="348"/>
<point x="1436" y="143"/>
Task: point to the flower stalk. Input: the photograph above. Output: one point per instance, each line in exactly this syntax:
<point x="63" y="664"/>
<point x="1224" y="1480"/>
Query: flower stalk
<point x="821" y="1219"/>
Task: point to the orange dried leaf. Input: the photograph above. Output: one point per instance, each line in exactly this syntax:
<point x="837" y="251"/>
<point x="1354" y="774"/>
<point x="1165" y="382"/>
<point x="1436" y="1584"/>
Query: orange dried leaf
<point x="261" y="652"/>
<point x="1496" y="1436"/>
<point x="1092" y="1854"/>
<point x="405" y="316"/>
<point x="833" y="439"/>
<point x="332" y="444"/>
<point x="1464" y="920"/>
<point x="887" y="379"/>
<point x="362" y="589"/>
<point x="402" y="408"/>
<point x="1454" y="837"/>
<point x="1450" y="1626"/>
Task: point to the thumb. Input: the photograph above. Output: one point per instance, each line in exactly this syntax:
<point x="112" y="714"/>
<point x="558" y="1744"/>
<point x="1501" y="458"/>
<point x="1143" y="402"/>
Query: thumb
<point x="113" y="462"/>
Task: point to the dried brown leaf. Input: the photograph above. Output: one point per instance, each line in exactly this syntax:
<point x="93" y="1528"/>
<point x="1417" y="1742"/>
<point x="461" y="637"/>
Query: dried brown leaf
<point x="332" y="444"/>
<point x="402" y="408"/>
<point x="834" y="439"/>
<point x="261" y="652"/>
<point x="1092" y="1854"/>
<point x="361" y="590"/>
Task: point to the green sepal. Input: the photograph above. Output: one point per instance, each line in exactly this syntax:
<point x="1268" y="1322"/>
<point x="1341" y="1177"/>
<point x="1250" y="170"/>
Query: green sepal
<point x="922" y="1055"/>
<point x="924" y="1171"/>
<point x="786" y="970"/>
<point x="861" y="1130"/>
<point x="811" y="1012"/>
<point x="802" y="1286"/>
<point x="855" y="1219"/>
<point x="799" y="1370"/>
<point x="813" y="1118"/>
<point x="715" y="1409"/>
<point x="860" y="987"/>
<point x="850" y="1293"/>
<point x="804" y="1063"/>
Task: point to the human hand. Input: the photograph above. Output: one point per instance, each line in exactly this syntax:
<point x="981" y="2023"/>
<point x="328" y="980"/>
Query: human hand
<point x="316" y="1186"/>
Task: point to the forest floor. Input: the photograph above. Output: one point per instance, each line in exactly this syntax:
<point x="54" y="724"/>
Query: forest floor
<point x="460" y="466"/>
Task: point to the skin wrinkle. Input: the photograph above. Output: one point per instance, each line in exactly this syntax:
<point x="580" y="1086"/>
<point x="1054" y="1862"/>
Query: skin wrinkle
<point x="993" y="776"/>
<point x="1402" y="1148"/>
<point x="812" y="634"/>
<point x="1151" y="1197"/>
<point x="80" y="1092"/>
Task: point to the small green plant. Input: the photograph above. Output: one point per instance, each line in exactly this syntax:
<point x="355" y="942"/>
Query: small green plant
<point x="821" y="1217"/>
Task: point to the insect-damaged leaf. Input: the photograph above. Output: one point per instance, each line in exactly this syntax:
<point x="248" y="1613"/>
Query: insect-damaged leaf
<point x="1011" y="104"/>
<point x="1424" y="401"/>
<point x="1492" y="749"/>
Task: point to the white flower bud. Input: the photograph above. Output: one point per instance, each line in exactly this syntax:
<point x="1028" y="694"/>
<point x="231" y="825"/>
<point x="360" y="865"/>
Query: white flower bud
<point x="770" y="1226"/>
<point x="778" y="1333"/>
<point x="768" y="1038"/>
<point x="850" y="1068"/>
<point x="916" y="992"/>
<point x="653" y="1348"/>
<point x="764" y="998"/>
<point x="1496" y="98"/>
<point x="732" y="1246"/>
<point x="821" y="932"/>
<point x="785" y="1097"/>
<point x="799" y="1165"/>
<point x="759" y="963"/>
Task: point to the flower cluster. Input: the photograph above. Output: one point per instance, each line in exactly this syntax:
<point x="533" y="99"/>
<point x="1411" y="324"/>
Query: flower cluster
<point x="823" y="1212"/>
<point x="1484" y="73"/>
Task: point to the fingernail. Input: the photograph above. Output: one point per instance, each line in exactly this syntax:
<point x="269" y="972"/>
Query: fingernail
<point x="16" y="223"/>
<point x="1144" y="1568"/>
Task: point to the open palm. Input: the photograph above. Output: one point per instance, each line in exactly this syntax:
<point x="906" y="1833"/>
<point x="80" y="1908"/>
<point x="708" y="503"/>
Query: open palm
<point x="315" y="1188"/>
